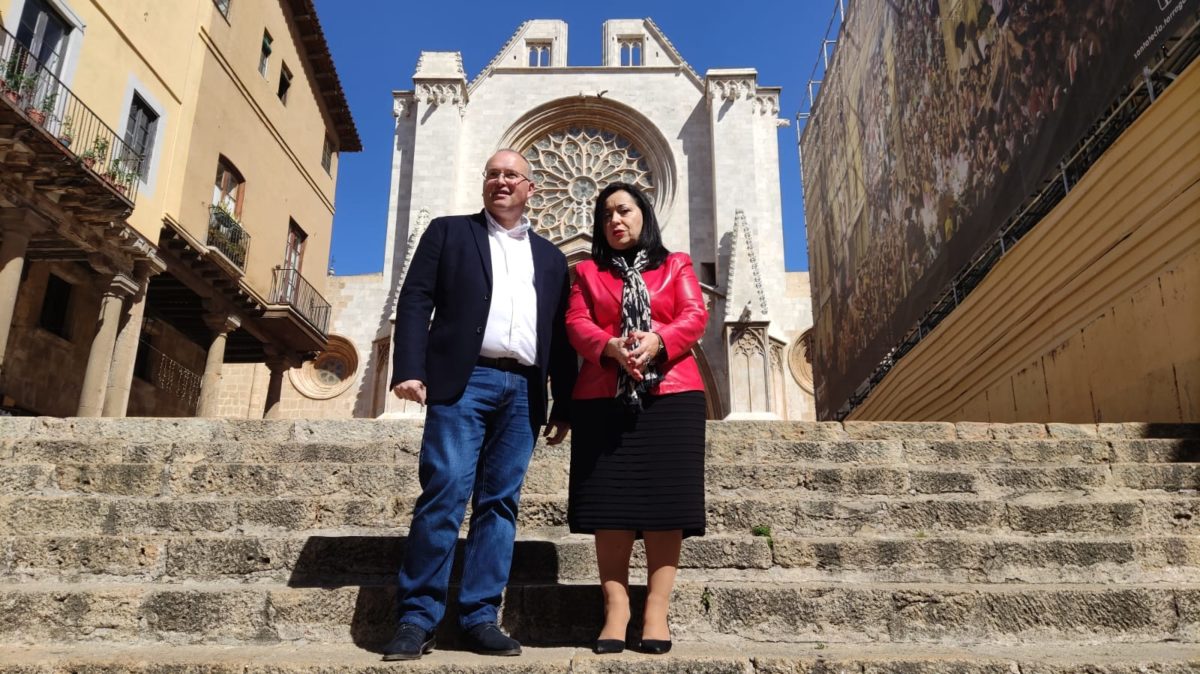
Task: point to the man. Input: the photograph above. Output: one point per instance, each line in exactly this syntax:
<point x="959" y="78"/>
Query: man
<point x="498" y="294"/>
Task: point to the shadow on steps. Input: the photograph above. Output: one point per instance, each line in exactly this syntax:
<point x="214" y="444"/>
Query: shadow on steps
<point x="536" y="609"/>
<point x="340" y="561"/>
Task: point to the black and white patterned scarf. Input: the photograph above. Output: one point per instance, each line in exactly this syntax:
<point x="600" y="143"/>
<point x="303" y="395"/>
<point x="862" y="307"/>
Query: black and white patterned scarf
<point x="635" y="315"/>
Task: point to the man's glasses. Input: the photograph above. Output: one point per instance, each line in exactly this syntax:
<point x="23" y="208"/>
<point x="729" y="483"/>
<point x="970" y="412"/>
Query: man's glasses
<point x="510" y="177"/>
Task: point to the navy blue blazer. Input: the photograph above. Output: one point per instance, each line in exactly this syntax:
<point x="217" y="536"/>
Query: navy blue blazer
<point x="450" y="277"/>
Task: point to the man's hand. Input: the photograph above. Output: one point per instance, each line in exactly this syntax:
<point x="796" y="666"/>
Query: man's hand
<point x="412" y="389"/>
<point x="556" y="431"/>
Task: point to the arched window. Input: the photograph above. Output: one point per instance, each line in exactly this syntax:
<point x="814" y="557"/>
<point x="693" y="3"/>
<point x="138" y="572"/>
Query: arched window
<point x="539" y="53"/>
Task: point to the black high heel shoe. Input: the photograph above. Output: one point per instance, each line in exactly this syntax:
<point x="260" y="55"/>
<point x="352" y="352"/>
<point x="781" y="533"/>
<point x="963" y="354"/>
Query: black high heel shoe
<point x="654" y="646"/>
<point x="607" y="646"/>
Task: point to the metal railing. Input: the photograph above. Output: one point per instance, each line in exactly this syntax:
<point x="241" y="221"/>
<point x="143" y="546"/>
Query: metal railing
<point x="225" y="234"/>
<point x="31" y="88"/>
<point x="829" y="43"/>
<point x="290" y="288"/>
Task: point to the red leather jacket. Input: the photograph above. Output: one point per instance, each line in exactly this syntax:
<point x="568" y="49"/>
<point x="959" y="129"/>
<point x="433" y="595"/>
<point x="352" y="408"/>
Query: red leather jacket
<point x="677" y="314"/>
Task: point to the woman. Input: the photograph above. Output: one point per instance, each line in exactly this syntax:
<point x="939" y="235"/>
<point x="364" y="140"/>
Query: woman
<point x="637" y="460"/>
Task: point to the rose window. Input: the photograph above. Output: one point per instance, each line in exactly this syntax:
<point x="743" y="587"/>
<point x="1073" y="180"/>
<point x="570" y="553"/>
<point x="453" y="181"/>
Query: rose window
<point x="570" y="167"/>
<point x="330" y="374"/>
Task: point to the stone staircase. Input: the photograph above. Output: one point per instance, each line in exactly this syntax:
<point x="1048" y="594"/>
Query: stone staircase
<point x="196" y="546"/>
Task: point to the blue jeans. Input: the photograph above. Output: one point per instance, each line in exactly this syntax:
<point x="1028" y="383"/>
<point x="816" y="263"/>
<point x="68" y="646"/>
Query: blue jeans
<point x="477" y="447"/>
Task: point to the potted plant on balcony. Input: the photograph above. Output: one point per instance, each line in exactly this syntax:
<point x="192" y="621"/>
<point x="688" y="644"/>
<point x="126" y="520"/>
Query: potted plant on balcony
<point x="41" y="112"/>
<point x="20" y="87"/>
<point x="11" y="80"/>
<point x="118" y="176"/>
<point x="66" y="132"/>
<point x="225" y="233"/>
<point x="98" y="152"/>
<point x="227" y="212"/>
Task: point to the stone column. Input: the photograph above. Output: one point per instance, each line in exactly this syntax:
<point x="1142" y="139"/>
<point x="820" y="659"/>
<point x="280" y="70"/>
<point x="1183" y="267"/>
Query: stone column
<point x="18" y="226"/>
<point x="278" y="362"/>
<point x="221" y="325"/>
<point x="100" y="357"/>
<point x="120" y="375"/>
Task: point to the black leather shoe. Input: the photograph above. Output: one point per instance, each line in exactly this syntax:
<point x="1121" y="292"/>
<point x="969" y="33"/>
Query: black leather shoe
<point x="606" y="646"/>
<point x="409" y="643"/>
<point x="655" y="646"/>
<point x="487" y="639"/>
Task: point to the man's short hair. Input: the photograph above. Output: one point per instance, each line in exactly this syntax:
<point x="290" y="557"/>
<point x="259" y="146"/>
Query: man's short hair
<point x="528" y="166"/>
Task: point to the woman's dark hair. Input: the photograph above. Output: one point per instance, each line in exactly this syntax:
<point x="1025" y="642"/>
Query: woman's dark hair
<point x="650" y="239"/>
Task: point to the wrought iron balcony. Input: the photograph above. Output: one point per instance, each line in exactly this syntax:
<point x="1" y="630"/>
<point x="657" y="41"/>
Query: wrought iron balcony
<point x="290" y="288"/>
<point x="30" y="88"/>
<point x="226" y="235"/>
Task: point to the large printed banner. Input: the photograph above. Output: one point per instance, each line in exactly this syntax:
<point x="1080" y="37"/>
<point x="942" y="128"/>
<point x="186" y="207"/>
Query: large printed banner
<point x="937" y="119"/>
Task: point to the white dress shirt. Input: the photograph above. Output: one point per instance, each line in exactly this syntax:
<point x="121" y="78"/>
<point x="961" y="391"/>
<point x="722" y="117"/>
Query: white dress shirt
<point x="512" y="318"/>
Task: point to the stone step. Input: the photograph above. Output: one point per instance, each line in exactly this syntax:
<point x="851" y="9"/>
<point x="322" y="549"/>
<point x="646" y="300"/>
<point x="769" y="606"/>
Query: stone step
<point x="785" y="512"/>
<point x="152" y="430"/>
<point x="37" y="613"/>
<point x="337" y="558"/>
<point x="694" y="658"/>
<point x="723" y="448"/>
<point x="551" y="478"/>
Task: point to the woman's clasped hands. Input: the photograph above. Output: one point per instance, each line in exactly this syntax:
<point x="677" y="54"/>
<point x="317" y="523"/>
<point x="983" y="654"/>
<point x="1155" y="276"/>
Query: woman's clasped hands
<point x="635" y="351"/>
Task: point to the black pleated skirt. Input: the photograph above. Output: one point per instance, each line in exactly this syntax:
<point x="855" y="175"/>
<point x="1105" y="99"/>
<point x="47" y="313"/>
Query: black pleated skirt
<point x="640" y="472"/>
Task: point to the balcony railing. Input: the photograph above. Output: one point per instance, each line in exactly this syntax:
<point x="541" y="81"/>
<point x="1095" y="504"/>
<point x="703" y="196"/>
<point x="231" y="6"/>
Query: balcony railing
<point x="290" y="288"/>
<point x="31" y="88"/>
<point x="225" y="234"/>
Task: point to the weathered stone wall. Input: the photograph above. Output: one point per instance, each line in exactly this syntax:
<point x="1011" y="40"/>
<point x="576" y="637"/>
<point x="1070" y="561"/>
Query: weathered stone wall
<point x="43" y="371"/>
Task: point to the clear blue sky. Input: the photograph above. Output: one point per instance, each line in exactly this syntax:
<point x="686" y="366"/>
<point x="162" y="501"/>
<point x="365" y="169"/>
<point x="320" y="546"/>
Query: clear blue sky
<point x="375" y="45"/>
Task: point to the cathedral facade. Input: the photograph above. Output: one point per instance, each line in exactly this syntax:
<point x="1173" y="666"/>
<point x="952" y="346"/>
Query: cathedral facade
<point x="704" y="148"/>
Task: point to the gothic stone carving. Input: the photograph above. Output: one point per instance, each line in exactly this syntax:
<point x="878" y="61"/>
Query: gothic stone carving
<point x="731" y="89"/>
<point x="767" y="104"/>
<point x="441" y="93"/>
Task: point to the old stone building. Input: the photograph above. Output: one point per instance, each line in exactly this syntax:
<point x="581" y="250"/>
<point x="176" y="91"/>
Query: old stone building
<point x="705" y="147"/>
<point x="166" y="194"/>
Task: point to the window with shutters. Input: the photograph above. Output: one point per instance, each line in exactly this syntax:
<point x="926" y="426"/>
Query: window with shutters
<point x="285" y="83"/>
<point x="229" y="189"/>
<point x="264" y="56"/>
<point x="44" y="33"/>
<point x="293" y="256"/>
<point x="139" y="136"/>
<point x="327" y="156"/>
